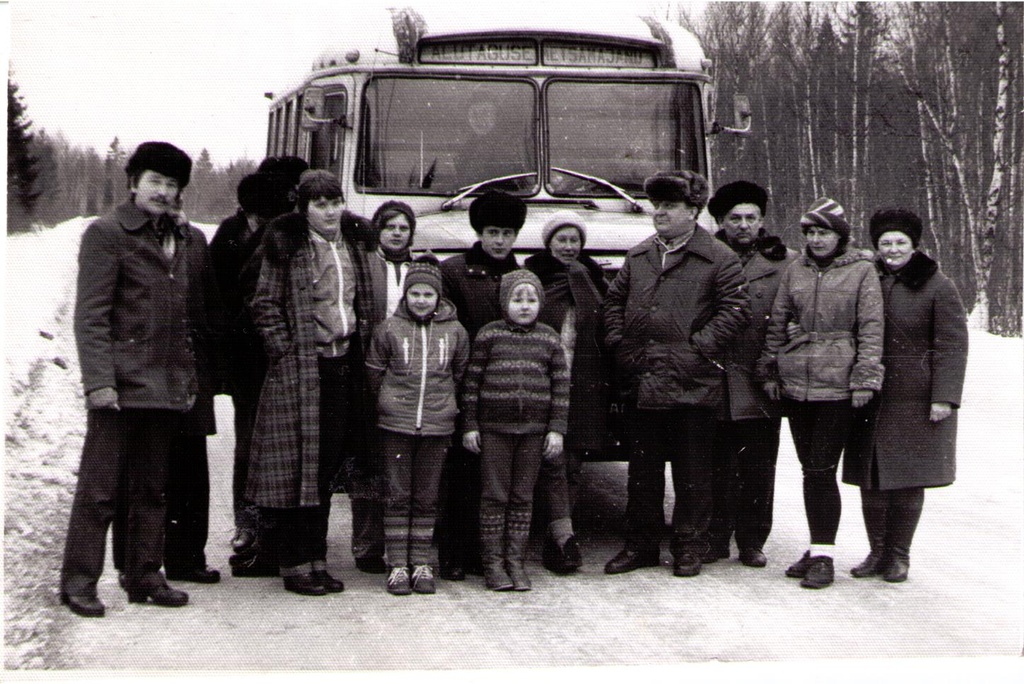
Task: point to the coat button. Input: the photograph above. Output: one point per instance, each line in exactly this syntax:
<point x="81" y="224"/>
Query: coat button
<point x="654" y="308"/>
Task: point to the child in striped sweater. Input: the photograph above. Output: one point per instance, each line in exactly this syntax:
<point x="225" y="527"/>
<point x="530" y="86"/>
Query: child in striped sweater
<point x="515" y="413"/>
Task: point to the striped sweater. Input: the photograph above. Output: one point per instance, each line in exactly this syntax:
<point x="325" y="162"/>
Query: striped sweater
<point x="517" y="381"/>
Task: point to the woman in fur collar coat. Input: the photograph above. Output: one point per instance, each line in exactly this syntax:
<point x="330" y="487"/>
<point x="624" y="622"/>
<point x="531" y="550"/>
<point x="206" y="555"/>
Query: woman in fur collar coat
<point x="905" y="440"/>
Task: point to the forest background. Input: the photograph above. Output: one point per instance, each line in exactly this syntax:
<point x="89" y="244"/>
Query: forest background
<point x="915" y="105"/>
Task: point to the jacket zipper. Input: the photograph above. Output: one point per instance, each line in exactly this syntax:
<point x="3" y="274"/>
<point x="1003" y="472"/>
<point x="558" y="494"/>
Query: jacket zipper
<point x="423" y="376"/>
<point x="341" y="293"/>
<point x="814" y="325"/>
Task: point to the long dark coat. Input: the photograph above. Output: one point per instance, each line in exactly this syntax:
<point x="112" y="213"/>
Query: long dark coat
<point x="580" y="285"/>
<point x="471" y="281"/>
<point x="284" y="463"/>
<point x="671" y="326"/>
<point x="925" y="357"/>
<point x="746" y="398"/>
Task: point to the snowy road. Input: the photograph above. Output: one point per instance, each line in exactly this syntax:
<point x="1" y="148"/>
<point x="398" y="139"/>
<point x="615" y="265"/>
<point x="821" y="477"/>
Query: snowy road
<point x="964" y="596"/>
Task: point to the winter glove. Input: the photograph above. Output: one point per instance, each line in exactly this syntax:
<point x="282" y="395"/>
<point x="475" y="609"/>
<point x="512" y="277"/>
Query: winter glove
<point x="102" y="398"/>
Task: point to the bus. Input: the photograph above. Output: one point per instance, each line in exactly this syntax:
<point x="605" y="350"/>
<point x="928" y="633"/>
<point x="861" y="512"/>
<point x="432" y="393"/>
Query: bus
<point x="570" y="112"/>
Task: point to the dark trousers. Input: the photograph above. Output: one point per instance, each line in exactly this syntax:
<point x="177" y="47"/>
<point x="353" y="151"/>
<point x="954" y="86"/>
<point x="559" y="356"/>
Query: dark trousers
<point x="413" y="466"/>
<point x="820" y="429"/>
<point x="300" y="534"/>
<point x="743" y="482"/>
<point x="458" y="528"/>
<point x="124" y="458"/>
<point x="509" y="465"/>
<point x="188" y="505"/>
<point x="557" y="485"/>
<point x="246" y="512"/>
<point x="683" y="436"/>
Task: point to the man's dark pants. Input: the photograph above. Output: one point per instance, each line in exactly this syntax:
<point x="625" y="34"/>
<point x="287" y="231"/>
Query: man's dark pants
<point x="744" y="482"/>
<point x="684" y="436"/>
<point x="124" y="457"/>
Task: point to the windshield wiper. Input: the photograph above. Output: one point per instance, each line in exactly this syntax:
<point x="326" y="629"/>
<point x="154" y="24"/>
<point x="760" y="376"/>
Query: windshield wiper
<point x="449" y="203"/>
<point x="634" y="205"/>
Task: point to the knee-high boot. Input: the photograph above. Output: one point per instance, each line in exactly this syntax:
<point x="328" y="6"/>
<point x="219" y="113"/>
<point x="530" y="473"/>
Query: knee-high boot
<point x="517" y="535"/>
<point x="904" y="513"/>
<point x="874" y="505"/>
<point x="492" y="551"/>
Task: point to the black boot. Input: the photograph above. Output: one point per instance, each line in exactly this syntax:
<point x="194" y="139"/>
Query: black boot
<point x="900" y="527"/>
<point x="492" y="551"/>
<point x="874" y="505"/>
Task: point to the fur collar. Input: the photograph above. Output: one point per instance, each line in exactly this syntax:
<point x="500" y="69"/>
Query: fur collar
<point x="287" y="233"/>
<point x="548" y="268"/>
<point x="915" y="273"/>
<point x="476" y="256"/>
<point x="770" y="247"/>
<point x="851" y="255"/>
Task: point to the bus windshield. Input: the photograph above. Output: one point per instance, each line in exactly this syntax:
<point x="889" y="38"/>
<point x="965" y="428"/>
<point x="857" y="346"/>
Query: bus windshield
<point x="438" y="135"/>
<point x="621" y="133"/>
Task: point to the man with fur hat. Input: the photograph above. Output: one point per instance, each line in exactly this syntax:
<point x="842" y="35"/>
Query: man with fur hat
<point x="747" y="438"/>
<point x="138" y="332"/>
<point x="471" y="283"/>
<point x="679" y="280"/>
<point x="262" y="196"/>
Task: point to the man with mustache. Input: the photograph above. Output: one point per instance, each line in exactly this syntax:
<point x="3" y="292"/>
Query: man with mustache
<point x="135" y="342"/>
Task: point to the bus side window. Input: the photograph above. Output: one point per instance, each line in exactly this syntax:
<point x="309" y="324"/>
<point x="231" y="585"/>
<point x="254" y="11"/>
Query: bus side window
<point x="326" y="143"/>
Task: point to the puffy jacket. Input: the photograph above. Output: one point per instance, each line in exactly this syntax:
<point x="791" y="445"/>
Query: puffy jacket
<point x="839" y="309"/>
<point x="415" y="369"/>
<point x="671" y="326"/>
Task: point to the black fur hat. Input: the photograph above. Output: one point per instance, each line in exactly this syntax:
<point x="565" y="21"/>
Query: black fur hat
<point x="164" y="158"/>
<point x="907" y="222"/>
<point x="499" y="209"/>
<point x="739" y="192"/>
<point x="678" y="186"/>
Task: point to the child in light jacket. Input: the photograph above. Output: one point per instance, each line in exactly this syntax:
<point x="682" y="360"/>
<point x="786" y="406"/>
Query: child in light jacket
<point x="516" y="408"/>
<point x="415" y="363"/>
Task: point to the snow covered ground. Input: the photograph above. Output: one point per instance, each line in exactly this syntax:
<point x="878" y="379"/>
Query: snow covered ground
<point x="964" y="598"/>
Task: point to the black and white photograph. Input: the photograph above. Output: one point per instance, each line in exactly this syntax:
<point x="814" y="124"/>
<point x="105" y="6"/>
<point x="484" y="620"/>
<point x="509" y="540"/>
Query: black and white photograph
<point x="553" y="339"/>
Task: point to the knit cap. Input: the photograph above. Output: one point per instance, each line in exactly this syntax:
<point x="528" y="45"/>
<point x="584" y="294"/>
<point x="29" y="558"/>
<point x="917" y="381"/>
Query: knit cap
<point x="826" y="213"/>
<point x="513" y="279"/>
<point x="906" y="222"/>
<point x="561" y="219"/>
<point x="424" y="270"/>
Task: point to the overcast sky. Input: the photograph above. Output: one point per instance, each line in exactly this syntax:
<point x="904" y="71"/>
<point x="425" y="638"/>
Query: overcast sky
<point x="192" y="72"/>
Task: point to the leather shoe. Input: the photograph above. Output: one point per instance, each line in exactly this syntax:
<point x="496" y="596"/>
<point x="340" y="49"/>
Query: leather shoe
<point x="453" y="572"/>
<point x="687" y="565"/>
<point x="753" y="558"/>
<point x="820" y="574"/>
<point x="371" y="565"/>
<point x="562" y="560"/>
<point x="84" y="606"/>
<point x="799" y="569"/>
<point x="243" y="541"/>
<point x="252" y="564"/>
<point x="628" y="560"/>
<point x="306" y="584"/>
<point x="161" y="595"/>
<point x="331" y="584"/>
<point x="202" y="575"/>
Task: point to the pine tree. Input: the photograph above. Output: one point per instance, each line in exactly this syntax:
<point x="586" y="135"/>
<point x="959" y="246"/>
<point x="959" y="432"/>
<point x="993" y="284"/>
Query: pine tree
<point x="21" y="165"/>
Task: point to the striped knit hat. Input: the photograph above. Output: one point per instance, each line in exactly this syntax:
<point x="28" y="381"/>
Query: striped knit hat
<point x="424" y="270"/>
<point x="513" y="279"/>
<point x="827" y="213"/>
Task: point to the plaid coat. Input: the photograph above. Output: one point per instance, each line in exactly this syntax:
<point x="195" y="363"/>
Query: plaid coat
<point x="285" y="460"/>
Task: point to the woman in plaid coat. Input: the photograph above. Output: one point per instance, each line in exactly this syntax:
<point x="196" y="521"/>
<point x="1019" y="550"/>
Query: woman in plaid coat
<point x="312" y="306"/>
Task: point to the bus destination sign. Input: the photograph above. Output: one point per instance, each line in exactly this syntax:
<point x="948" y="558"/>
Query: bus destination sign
<point x="480" y="52"/>
<point x="591" y="55"/>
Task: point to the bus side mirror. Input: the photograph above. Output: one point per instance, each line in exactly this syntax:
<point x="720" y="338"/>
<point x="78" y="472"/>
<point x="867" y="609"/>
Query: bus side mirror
<point x="741" y="114"/>
<point x="314" y="114"/>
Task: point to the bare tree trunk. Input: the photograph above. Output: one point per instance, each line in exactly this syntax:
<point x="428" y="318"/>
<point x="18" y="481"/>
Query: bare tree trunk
<point x="985" y="242"/>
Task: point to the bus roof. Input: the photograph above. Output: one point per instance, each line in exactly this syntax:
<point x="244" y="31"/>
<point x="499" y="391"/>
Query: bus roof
<point x="378" y="42"/>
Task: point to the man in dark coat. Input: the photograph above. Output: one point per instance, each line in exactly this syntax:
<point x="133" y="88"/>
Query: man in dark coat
<point x="747" y="438"/>
<point x="311" y="309"/>
<point x="262" y="196"/>
<point x="132" y="327"/>
<point x="471" y="282"/>
<point x="671" y="313"/>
